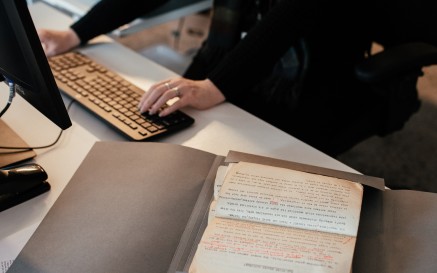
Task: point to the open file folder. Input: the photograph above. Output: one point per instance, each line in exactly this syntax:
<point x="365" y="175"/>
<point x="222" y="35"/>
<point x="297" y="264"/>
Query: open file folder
<point x="142" y="207"/>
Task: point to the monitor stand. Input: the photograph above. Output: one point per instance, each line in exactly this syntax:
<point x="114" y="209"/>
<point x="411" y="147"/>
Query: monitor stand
<point x="10" y="139"/>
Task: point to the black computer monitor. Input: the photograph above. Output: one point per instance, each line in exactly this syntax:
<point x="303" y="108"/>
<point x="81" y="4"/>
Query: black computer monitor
<point x="23" y="62"/>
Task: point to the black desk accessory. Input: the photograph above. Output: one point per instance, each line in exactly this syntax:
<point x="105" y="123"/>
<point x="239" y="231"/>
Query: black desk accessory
<point x="21" y="183"/>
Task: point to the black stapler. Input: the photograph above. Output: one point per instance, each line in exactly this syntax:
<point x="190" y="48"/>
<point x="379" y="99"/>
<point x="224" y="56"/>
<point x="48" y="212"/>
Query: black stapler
<point x="21" y="183"/>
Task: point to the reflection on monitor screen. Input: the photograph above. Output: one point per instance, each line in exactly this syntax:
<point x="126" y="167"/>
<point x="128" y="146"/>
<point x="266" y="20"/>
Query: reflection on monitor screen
<point x="24" y="68"/>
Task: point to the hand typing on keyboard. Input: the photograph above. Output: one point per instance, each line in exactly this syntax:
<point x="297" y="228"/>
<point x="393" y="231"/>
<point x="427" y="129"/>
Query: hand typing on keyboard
<point x="58" y="41"/>
<point x="112" y="98"/>
<point x="197" y="94"/>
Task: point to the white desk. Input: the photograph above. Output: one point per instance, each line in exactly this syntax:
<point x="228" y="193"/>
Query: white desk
<point x="217" y="130"/>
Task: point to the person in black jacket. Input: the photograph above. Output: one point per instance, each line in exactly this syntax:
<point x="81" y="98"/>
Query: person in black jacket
<point x="258" y="66"/>
<point x="295" y="66"/>
<point x="289" y="62"/>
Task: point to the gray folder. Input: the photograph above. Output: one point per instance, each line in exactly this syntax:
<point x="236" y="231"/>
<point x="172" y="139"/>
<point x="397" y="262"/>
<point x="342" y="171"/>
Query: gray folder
<point x="130" y="207"/>
<point x="142" y="207"/>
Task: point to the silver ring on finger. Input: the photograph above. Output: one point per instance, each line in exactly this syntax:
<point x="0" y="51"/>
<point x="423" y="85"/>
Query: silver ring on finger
<point x="167" y="84"/>
<point x="177" y="91"/>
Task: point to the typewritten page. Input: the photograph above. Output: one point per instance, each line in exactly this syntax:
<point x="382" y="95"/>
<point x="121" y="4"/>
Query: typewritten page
<point x="269" y="219"/>
<point x="290" y="198"/>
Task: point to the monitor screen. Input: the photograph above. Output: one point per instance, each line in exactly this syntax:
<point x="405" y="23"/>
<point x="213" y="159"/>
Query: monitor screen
<point x="22" y="61"/>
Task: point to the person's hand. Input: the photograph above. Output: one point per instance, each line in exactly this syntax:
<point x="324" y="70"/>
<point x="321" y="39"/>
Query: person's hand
<point x="55" y="42"/>
<point x="197" y="94"/>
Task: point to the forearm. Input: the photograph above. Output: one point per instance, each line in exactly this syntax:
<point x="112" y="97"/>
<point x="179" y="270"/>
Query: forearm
<point x="108" y="15"/>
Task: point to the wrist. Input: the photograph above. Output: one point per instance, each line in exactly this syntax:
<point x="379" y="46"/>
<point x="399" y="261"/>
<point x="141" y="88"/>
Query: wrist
<point x="72" y="38"/>
<point x="217" y="94"/>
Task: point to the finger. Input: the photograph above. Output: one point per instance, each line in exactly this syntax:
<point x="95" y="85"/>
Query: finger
<point x="143" y="99"/>
<point x="48" y="49"/>
<point x="146" y="94"/>
<point x="172" y="108"/>
<point x="151" y="96"/>
<point x="166" y="96"/>
<point x="44" y="47"/>
<point x="42" y="34"/>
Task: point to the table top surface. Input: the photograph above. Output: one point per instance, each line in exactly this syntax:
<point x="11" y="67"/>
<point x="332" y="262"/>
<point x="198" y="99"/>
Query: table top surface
<point x="217" y="130"/>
